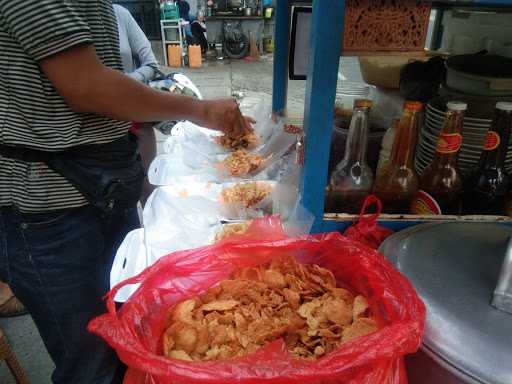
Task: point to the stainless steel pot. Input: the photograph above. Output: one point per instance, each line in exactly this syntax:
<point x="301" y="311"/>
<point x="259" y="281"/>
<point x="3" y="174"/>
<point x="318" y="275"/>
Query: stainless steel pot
<point x="247" y="11"/>
<point x="484" y="75"/>
<point x="455" y="267"/>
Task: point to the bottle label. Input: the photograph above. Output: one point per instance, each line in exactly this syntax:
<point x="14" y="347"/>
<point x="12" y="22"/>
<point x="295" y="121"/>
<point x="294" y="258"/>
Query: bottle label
<point x="424" y="204"/>
<point x="492" y="140"/>
<point x="449" y="142"/>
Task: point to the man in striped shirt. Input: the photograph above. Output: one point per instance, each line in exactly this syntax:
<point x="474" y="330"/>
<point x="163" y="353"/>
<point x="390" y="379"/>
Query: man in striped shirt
<point x="61" y="86"/>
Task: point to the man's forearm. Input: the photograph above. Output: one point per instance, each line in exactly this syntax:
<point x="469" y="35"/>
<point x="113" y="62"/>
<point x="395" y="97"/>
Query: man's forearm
<point x="88" y="86"/>
<point x="122" y="98"/>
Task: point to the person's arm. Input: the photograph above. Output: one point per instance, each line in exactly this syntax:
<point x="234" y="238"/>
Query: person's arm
<point x="102" y="90"/>
<point x="140" y="46"/>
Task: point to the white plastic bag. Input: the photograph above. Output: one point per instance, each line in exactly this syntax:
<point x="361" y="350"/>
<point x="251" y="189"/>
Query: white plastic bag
<point x="171" y="224"/>
<point x="299" y="221"/>
<point x="130" y="260"/>
<point x="170" y="170"/>
<point x="165" y="207"/>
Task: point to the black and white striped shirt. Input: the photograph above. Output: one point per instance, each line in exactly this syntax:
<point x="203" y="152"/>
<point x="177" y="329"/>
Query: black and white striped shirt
<point x="32" y="113"/>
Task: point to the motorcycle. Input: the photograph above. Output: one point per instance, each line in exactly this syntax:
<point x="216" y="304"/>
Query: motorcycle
<point x="174" y="83"/>
<point x="234" y="42"/>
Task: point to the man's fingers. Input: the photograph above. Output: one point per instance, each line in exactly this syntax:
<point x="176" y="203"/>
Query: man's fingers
<point x="240" y="126"/>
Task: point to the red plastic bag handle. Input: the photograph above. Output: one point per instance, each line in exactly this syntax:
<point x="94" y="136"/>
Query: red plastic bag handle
<point x="111" y="307"/>
<point x="371" y="199"/>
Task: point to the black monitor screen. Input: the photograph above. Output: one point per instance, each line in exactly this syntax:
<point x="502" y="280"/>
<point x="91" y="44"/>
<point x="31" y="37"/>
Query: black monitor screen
<point x="300" y="42"/>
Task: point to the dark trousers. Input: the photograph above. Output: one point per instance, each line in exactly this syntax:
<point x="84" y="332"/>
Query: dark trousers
<point x="58" y="265"/>
<point x="198" y="33"/>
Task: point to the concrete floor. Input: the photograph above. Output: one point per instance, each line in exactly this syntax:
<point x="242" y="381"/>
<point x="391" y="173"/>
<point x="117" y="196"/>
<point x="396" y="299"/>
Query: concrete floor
<point x="252" y="81"/>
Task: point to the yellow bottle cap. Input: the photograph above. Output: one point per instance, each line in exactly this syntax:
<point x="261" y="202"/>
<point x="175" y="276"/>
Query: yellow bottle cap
<point x="413" y="106"/>
<point x="363" y="103"/>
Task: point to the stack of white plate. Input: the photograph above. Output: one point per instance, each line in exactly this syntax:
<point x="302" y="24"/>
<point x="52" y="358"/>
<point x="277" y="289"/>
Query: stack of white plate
<point x="473" y="135"/>
<point x="352" y="88"/>
<point x="348" y="91"/>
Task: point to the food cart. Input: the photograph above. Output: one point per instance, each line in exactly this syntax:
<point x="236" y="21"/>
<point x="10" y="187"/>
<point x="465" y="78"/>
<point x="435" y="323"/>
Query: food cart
<point x="327" y="30"/>
<point x="457" y="309"/>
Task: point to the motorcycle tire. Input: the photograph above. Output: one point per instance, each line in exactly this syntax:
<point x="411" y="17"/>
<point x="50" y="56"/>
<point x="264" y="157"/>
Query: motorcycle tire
<point x="236" y="49"/>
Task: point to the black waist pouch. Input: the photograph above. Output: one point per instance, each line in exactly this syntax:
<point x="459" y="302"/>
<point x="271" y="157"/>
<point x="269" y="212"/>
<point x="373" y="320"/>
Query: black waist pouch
<point x="110" y="176"/>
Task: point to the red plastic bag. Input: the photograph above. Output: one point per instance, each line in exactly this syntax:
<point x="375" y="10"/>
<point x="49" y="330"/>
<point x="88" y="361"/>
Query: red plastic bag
<point x="135" y="331"/>
<point x="367" y="230"/>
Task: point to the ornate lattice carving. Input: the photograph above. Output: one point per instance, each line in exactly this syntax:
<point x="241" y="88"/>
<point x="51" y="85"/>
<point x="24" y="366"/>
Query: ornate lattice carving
<point x="386" y="25"/>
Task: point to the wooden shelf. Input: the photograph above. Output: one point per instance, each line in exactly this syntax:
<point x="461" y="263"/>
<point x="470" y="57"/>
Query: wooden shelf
<point x="219" y="18"/>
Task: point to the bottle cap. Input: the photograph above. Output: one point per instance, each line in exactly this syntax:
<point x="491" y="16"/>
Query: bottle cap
<point x="504" y="105"/>
<point x="363" y="103"/>
<point x="413" y="106"/>
<point x="456" y="105"/>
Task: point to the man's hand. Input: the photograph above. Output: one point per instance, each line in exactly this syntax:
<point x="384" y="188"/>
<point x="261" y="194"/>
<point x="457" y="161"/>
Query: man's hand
<point x="225" y="116"/>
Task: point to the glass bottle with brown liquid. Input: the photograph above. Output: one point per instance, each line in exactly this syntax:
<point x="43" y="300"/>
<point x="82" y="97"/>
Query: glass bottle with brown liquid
<point x="398" y="184"/>
<point x="352" y="179"/>
<point x="441" y="183"/>
<point x="487" y="187"/>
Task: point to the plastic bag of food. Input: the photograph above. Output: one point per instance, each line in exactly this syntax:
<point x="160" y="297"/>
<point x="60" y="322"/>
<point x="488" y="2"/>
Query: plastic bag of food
<point x="367" y="230"/>
<point x="210" y="143"/>
<point x="241" y="162"/>
<point x="265" y="228"/>
<point x="136" y="331"/>
<point x="247" y="199"/>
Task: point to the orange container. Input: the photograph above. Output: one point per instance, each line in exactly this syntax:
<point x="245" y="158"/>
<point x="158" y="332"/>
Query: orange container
<point x="194" y="56"/>
<point x="174" y="55"/>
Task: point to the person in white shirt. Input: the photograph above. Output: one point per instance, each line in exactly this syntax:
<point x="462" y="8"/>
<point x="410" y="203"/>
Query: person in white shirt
<point x="139" y="63"/>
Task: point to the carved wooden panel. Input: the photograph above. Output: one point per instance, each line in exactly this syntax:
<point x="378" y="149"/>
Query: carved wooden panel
<point x="386" y="25"/>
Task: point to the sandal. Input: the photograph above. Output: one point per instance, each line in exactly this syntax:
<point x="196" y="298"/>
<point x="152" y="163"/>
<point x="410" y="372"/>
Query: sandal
<point x="12" y="307"/>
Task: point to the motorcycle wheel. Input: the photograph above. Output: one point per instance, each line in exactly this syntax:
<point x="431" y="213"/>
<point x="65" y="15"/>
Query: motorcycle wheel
<point x="236" y="49"/>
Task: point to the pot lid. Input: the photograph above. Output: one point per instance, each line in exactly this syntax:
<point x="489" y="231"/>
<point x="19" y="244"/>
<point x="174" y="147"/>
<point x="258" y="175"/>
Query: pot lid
<point x="493" y="66"/>
<point x="454" y="268"/>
